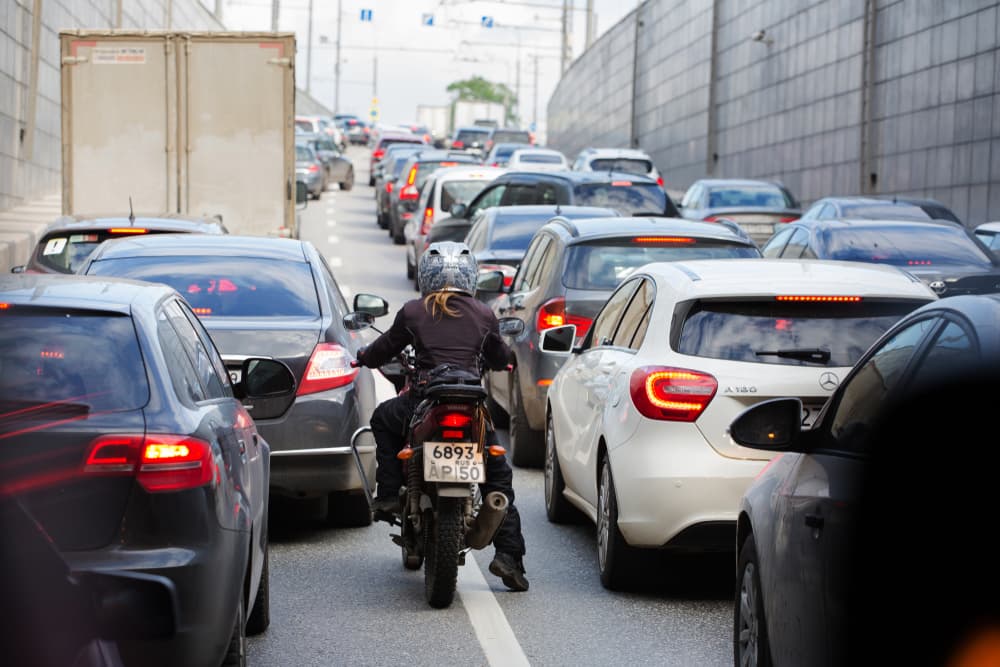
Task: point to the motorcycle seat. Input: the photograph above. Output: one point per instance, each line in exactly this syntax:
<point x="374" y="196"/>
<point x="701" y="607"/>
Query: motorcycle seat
<point x="468" y="392"/>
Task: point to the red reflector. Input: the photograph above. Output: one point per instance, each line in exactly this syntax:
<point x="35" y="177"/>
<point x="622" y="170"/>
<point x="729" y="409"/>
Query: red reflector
<point x="662" y="239"/>
<point x="127" y="230"/>
<point x="455" y="420"/>
<point x="313" y="167"/>
<point x="673" y="394"/>
<point x="329" y="367"/>
<point x="788" y="219"/>
<point x="202" y="311"/>
<point x="452" y="433"/>
<point x="818" y="299"/>
<point x="618" y="184"/>
<point x="51" y="354"/>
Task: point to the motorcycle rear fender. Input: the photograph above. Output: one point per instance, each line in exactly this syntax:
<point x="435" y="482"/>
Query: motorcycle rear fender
<point x="453" y="490"/>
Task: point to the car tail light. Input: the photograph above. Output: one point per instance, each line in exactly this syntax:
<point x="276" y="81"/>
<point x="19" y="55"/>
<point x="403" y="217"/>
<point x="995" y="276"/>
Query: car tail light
<point x="378" y="153"/>
<point x="659" y="181"/>
<point x="712" y="218"/>
<point x="553" y="313"/>
<point x="160" y="462"/>
<point x="425" y="226"/>
<point x="329" y="367"/>
<point x="681" y="240"/>
<point x="409" y="192"/>
<point x="790" y="218"/>
<point x="388" y="187"/>
<point x="313" y="167"/>
<point x="507" y="271"/>
<point x="671" y="394"/>
<point x="813" y="298"/>
<point x="128" y="230"/>
<point x="457" y="144"/>
<point x="621" y="184"/>
<point x="4" y="306"/>
<point x="412" y="176"/>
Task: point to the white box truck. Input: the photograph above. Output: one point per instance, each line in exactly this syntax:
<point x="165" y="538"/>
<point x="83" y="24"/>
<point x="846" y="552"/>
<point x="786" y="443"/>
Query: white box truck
<point x="181" y="122"/>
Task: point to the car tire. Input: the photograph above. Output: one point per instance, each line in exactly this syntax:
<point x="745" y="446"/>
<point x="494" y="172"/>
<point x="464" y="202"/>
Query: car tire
<point x="557" y="508"/>
<point x="236" y="652"/>
<point x="750" y="643"/>
<point x="411" y="269"/>
<point x="347" y="184"/>
<point x="260" y="614"/>
<point x="348" y="510"/>
<point x="618" y="563"/>
<point x="526" y="444"/>
<point x="397" y="235"/>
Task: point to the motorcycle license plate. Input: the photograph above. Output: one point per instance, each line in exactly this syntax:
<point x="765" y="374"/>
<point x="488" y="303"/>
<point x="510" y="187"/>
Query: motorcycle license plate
<point x="453" y="462"/>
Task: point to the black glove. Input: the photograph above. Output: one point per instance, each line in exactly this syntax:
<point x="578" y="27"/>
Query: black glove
<point x="360" y="356"/>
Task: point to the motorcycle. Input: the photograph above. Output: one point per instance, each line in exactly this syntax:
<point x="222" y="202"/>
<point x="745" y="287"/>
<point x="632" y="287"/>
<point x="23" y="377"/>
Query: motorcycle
<point x="444" y="462"/>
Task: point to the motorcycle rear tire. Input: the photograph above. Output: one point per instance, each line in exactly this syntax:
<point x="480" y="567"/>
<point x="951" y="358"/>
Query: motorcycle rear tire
<point x="442" y="551"/>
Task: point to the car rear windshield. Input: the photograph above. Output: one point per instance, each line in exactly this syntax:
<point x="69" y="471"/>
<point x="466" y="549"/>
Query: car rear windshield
<point x="226" y="286"/>
<point x="85" y="361"/>
<point x="539" y="158"/>
<point x="65" y="252"/>
<point x="625" y="196"/>
<point x="425" y="169"/>
<point x="471" y="136"/>
<point x="625" y="165"/>
<point x="788" y="333"/>
<point x="909" y="247"/>
<point x="511" y="136"/>
<point x="515" y="233"/>
<point x="388" y="141"/>
<point x="602" y="265"/>
<point x="765" y="196"/>
<point x="460" y="192"/>
<point x="884" y="212"/>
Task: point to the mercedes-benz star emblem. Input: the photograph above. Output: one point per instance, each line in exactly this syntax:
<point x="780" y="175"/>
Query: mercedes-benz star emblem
<point x="829" y="381"/>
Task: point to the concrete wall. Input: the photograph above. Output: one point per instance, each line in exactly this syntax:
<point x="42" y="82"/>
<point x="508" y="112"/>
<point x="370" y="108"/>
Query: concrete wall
<point x="914" y="109"/>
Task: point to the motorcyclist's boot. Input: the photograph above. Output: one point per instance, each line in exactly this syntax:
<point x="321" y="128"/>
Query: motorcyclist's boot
<point x="510" y="569"/>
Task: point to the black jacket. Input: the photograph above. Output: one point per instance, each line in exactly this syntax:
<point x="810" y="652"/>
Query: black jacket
<point x="440" y="339"/>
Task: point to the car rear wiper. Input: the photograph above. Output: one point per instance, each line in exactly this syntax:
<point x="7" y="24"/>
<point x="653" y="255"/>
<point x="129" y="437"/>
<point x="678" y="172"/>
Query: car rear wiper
<point x="813" y="354"/>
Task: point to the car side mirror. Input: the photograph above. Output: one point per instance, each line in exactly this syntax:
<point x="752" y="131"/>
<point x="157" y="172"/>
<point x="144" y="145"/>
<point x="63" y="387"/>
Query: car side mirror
<point x="17" y="269"/>
<point x="511" y="326"/>
<point x="490" y="281"/>
<point x="772" y="425"/>
<point x="358" y="321"/>
<point x="301" y="195"/>
<point x="559" y="339"/>
<point x="459" y="210"/>
<point x="376" y="306"/>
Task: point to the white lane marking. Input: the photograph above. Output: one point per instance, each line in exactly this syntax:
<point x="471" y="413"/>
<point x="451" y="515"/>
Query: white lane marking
<point x="334" y="262"/>
<point x="331" y="223"/>
<point x="488" y="620"/>
<point x="333" y="239"/>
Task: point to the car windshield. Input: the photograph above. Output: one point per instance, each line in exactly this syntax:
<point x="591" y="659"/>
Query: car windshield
<point x="770" y="332"/>
<point x="914" y="246"/>
<point x="625" y="196"/>
<point x="511" y="136"/>
<point x="762" y="196"/>
<point x="220" y="286"/>
<point x="85" y="361"/>
<point x="602" y="265"/>
<point x="622" y="164"/>
<point x="460" y="192"/>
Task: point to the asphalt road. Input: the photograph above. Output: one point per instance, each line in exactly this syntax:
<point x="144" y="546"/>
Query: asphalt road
<point x="342" y="596"/>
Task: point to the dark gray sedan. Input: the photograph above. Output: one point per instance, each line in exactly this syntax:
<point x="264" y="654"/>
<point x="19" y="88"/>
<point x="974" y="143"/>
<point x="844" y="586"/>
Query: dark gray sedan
<point x="338" y="167"/>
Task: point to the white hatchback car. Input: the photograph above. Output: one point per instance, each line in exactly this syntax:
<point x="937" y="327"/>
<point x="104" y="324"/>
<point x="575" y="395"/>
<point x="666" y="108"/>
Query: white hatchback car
<point x="537" y="159"/>
<point x="628" y="160"/>
<point x="442" y="190"/>
<point x="637" y="421"/>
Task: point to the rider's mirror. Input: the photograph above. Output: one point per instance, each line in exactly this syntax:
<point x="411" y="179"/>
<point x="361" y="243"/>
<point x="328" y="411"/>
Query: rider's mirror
<point x="358" y="320"/>
<point x="458" y="210"/>
<point x="772" y="425"/>
<point x="559" y="339"/>
<point x="489" y="281"/>
<point x="376" y="306"/>
<point x="511" y="326"/>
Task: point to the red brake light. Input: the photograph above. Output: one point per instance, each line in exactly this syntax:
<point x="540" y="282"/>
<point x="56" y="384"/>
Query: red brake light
<point x="454" y="420"/>
<point x="127" y="230"/>
<point x="620" y="183"/>
<point x="659" y="181"/>
<point x="425" y="226"/>
<point x="918" y="262"/>
<point x="672" y="394"/>
<point x="329" y="367"/>
<point x="457" y="144"/>
<point x="313" y="167"/>
<point x="712" y="218"/>
<point x="409" y="192"/>
<point x="791" y="218"/>
<point x="811" y="298"/>
<point x="448" y="164"/>
<point x="4" y="306"/>
<point x="662" y="239"/>
<point x="160" y="462"/>
<point x="388" y="187"/>
<point x="379" y="152"/>
<point x="110" y="454"/>
<point x="553" y="313"/>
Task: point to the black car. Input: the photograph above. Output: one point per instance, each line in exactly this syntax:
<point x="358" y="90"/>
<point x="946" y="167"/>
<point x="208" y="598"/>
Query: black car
<point x="123" y="439"/>
<point x="568" y="271"/>
<point x="499" y="237"/>
<point x="67" y="241"/>
<point x="758" y="206"/>
<point x="471" y="139"/>
<point x="406" y="191"/>
<point x="629" y="194"/>
<point x="950" y="258"/>
<point x="386" y="174"/>
<point x="879" y="510"/>
<point x="879" y="208"/>
<point x="277" y="298"/>
<point x="339" y="168"/>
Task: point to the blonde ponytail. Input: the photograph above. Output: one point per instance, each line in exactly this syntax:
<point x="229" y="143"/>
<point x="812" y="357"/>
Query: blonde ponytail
<point x="437" y="302"/>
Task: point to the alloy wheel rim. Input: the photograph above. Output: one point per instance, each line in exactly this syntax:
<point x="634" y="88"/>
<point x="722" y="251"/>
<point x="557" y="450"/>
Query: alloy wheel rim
<point x="748" y="623"/>
<point x="603" y="518"/>
<point x="549" y="456"/>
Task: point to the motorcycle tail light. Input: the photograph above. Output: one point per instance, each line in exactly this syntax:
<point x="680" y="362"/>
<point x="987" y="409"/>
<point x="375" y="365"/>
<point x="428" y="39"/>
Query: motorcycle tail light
<point x="671" y="394"/>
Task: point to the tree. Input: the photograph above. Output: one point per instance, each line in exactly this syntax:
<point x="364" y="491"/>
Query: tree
<point x="478" y="89"/>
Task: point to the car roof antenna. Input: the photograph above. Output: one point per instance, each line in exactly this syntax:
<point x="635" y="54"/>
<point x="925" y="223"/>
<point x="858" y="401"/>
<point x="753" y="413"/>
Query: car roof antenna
<point x="131" y="215"/>
<point x="558" y="208"/>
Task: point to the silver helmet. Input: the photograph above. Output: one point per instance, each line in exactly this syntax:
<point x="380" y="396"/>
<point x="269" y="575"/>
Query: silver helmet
<point x="447" y="266"/>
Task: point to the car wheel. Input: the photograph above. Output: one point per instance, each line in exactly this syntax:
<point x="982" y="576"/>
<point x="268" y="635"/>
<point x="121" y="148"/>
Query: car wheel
<point x="348" y="510"/>
<point x="260" y="613"/>
<point x="526" y="444"/>
<point x="236" y="652"/>
<point x="397" y="234"/>
<point x="347" y="184"/>
<point x="617" y="561"/>
<point x="557" y="508"/>
<point x="750" y="644"/>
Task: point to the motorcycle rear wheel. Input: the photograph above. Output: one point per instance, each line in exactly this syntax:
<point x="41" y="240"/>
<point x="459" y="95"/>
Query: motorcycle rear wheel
<point x="442" y="551"/>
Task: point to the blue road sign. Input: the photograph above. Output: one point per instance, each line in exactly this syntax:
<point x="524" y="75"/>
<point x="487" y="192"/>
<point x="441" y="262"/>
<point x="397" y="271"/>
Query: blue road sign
<point x="366" y="15"/>
<point x="486" y="21"/>
<point x="427" y="19"/>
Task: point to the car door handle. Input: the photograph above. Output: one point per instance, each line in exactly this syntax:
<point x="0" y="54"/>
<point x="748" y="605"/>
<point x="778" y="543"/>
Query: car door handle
<point x="814" y="520"/>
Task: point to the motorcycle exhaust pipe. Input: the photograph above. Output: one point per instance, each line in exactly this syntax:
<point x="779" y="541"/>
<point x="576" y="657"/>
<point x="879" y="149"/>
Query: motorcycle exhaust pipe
<point x="491" y="514"/>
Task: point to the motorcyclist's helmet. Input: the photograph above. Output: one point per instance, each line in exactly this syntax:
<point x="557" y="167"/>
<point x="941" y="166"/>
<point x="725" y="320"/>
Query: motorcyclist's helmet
<point x="447" y="266"/>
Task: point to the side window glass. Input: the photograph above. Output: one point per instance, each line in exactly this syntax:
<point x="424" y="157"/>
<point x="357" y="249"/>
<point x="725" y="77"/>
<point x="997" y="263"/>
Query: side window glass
<point x="530" y="263"/>
<point x="182" y="374"/>
<point x="826" y="213"/>
<point x="475" y="236"/>
<point x="199" y="356"/>
<point x="632" y="318"/>
<point x="544" y="265"/>
<point x="861" y="400"/>
<point x="209" y="344"/>
<point x="796" y="245"/>
<point x="607" y="319"/>
<point x="777" y="243"/>
<point x="520" y="195"/>
<point x="339" y="302"/>
<point x="953" y="348"/>
<point x="490" y="198"/>
<point x="546" y="194"/>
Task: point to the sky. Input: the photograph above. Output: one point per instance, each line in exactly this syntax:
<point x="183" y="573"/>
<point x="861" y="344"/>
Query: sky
<point x="398" y="61"/>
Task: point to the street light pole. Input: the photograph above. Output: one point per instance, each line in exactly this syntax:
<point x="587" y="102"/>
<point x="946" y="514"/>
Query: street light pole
<point x="336" y="67"/>
<point x="309" y="50"/>
<point x="275" y="10"/>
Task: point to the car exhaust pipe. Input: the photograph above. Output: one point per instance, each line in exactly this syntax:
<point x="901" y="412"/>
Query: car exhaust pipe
<point x="491" y="514"/>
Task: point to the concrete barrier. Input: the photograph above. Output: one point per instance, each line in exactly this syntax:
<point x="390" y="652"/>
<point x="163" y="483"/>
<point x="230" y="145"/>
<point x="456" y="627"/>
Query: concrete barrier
<point x="21" y="226"/>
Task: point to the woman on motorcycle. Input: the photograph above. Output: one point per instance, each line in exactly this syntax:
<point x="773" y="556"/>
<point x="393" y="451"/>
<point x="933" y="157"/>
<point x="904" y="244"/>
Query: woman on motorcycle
<point x="448" y="325"/>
